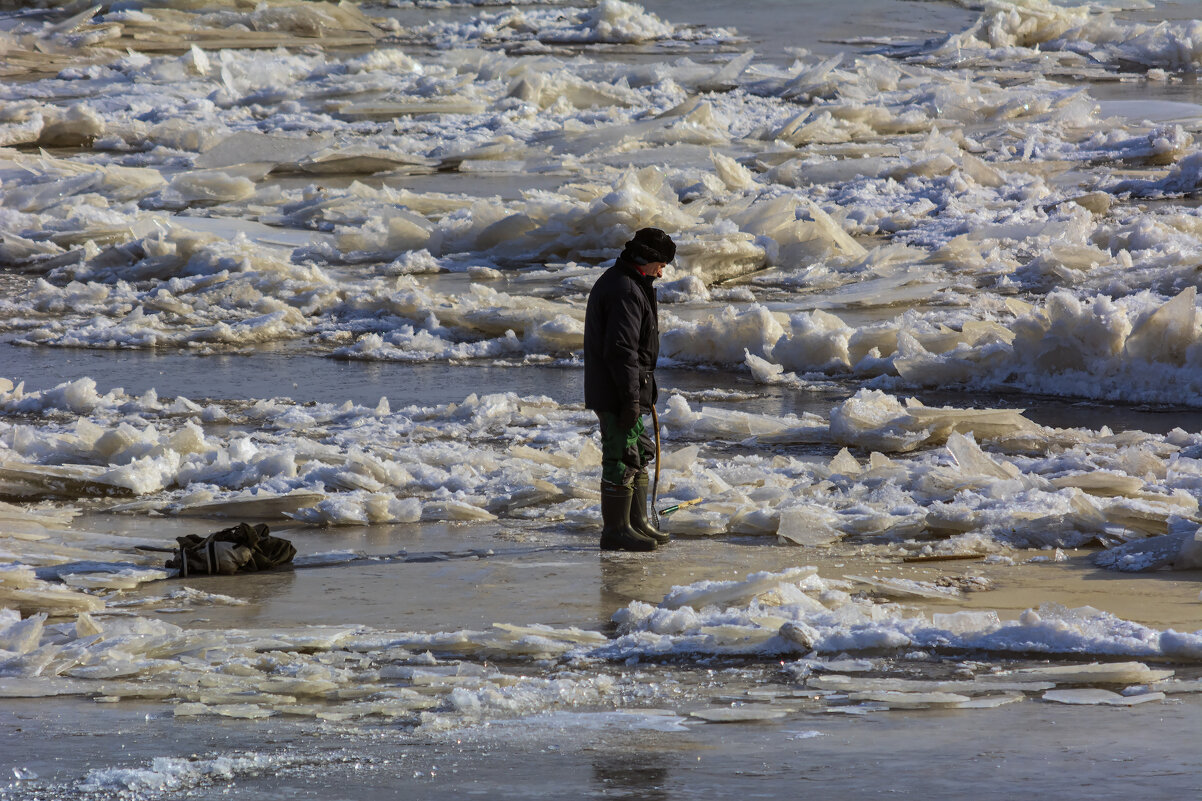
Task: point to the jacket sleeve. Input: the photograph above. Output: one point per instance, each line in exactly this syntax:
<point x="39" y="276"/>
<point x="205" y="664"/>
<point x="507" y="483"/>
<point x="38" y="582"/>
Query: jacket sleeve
<point x="622" y="347"/>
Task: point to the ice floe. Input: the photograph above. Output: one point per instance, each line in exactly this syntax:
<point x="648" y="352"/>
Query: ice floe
<point x="352" y="672"/>
<point x="978" y="480"/>
<point x="787" y="617"/>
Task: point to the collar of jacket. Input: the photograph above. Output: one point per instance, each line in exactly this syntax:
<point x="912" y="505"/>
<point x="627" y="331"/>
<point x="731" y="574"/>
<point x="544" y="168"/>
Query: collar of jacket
<point x="634" y="271"/>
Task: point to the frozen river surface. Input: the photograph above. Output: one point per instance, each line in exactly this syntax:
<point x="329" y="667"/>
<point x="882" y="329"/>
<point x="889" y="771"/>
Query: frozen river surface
<point x="932" y="361"/>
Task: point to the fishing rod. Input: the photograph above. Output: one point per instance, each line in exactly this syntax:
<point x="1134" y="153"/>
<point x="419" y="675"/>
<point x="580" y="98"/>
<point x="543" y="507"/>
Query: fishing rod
<point x="656" y="514"/>
<point x="655" y="484"/>
<point x="676" y="507"/>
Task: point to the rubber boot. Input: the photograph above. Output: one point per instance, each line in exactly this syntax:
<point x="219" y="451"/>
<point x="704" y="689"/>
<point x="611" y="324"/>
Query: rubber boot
<point x="617" y="535"/>
<point x="638" y="511"/>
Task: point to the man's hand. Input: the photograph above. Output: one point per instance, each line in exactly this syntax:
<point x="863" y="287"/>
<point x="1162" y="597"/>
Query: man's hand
<point x="628" y="417"/>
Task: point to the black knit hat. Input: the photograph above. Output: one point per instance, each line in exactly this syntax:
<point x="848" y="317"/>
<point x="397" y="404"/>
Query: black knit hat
<point x="649" y="245"/>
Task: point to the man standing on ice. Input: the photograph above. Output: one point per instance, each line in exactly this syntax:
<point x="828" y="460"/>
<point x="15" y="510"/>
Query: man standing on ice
<point x="621" y="346"/>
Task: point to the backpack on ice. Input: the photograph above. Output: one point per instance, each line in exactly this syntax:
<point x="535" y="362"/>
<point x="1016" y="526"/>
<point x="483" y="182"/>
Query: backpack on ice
<point x="239" y="549"/>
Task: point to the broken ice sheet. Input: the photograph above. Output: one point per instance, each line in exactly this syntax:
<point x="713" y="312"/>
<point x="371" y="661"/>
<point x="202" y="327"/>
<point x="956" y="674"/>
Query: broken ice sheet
<point x="1179" y="686"/>
<point x="569" y="634"/>
<point x="709" y="593"/>
<point x="126" y="579"/>
<point x="728" y="424"/>
<point x="966" y="621"/>
<point x="837" y="665"/>
<point x="854" y="684"/>
<point x="863" y="708"/>
<point x="241" y="711"/>
<point x="59" y="481"/>
<point x="180" y="599"/>
<point x="1177" y="551"/>
<point x="874" y="420"/>
<point x="42" y="687"/>
<point x="253" y="505"/>
<point x="807" y="525"/>
<point x="907" y="587"/>
<point x="739" y="714"/>
<point x="34" y="519"/>
<point x="21" y="589"/>
<point x="908" y="700"/>
<point x="1093" y="696"/>
<point x="991" y="701"/>
<point x="1095" y="673"/>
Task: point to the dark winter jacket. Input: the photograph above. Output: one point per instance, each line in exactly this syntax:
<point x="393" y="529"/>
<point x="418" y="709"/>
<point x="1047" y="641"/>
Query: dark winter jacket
<point x="621" y="341"/>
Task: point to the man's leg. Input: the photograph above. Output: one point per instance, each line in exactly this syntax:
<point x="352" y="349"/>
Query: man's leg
<point x="620" y="462"/>
<point x="645" y="454"/>
<point x="623" y="451"/>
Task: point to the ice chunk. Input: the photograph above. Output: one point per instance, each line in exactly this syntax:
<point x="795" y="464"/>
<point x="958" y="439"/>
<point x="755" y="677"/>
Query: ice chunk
<point x="807" y="525"/>
<point x="842" y="683"/>
<point x="455" y="510"/>
<point x="985" y="424"/>
<point x="698" y="523"/>
<point x="85" y="626"/>
<point x="209" y="186"/>
<point x="78" y="126"/>
<point x="733" y="174"/>
<point x="1109" y="673"/>
<point x="680" y="459"/>
<point x="33" y="522"/>
<point x="724" y="338"/>
<point x="739" y="714"/>
<point x="845" y="464"/>
<point x="708" y="593"/>
<point x="1151" y="553"/>
<point x="991" y="701"/>
<point x="241" y="711"/>
<point x="907" y="587"/>
<point x="966" y="621"/>
<point x="1165" y="335"/>
<point x="571" y="634"/>
<point x="57" y="480"/>
<point x="816" y="341"/>
<point x="556" y="458"/>
<point x="1190" y="555"/>
<point x="972" y="461"/>
<point x="799" y="633"/>
<point x="714" y="258"/>
<point x="20" y="636"/>
<point x="254" y="505"/>
<point x="126" y="579"/>
<point x="1102" y="482"/>
<point x="366" y="160"/>
<point x="46" y="598"/>
<point x="361" y="508"/>
<point x="251" y="146"/>
<point x="829" y="229"/>
<point x="1104" y="697"/>
<point x="909" y="700"/>
<point x="872" y="419"/>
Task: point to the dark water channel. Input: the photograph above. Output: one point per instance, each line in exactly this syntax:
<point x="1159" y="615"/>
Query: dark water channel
<point x="304" y="377"/>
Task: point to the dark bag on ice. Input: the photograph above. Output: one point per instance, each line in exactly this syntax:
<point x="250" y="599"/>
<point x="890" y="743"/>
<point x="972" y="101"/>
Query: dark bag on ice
<point x="239" y="549"/>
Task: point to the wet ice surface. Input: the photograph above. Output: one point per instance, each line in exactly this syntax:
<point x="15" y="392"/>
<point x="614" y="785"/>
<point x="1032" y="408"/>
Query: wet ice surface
<point x="928" y="268"/>
<point x="923" y="754"/>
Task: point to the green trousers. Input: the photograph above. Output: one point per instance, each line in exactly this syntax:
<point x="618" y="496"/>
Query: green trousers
<point x="624" y="451"/>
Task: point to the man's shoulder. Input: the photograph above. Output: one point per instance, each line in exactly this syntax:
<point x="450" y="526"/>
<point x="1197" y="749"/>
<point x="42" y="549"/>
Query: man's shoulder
<point x="616" y="279"/>
<point x="612" y="280"/>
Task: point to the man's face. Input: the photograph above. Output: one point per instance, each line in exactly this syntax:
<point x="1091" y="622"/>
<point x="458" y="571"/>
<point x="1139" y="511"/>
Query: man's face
<point x="654" y="269"/>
